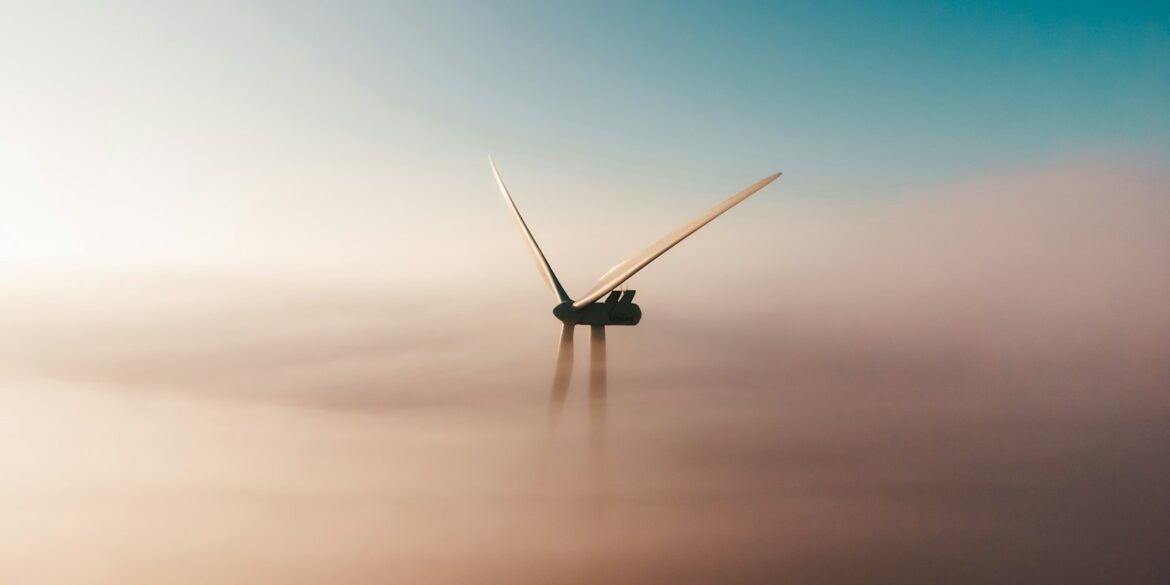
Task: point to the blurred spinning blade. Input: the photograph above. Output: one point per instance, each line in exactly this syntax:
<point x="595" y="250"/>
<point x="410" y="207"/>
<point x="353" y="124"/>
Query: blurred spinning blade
<point x="560" y="382"/>
<point x="597" y="401"/>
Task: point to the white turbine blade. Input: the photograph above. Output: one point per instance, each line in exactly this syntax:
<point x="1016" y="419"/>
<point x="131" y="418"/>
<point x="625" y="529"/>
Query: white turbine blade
<point x="620" y="273"/>
<point x="561" y="376"/>
<point x="542" y="264"/>
<point x="597" y="401"/>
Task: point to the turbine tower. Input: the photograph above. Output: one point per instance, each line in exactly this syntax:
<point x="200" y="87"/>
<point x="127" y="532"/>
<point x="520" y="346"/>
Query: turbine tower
<point x="617" y="309"/>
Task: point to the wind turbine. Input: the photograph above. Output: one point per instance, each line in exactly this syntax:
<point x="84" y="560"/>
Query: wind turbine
<point x="617" y="309"/>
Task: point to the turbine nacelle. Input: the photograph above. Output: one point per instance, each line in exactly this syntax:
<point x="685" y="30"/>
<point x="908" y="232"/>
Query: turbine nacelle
<point x="618" y="309"/>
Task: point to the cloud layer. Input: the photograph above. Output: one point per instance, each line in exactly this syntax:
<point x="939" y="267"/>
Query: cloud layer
<point x="963" y="386"/>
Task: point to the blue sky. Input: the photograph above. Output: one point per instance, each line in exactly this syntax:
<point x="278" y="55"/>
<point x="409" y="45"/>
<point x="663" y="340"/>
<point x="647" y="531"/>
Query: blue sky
<point x="154" y="126"/>
<point x="847" y="94"/>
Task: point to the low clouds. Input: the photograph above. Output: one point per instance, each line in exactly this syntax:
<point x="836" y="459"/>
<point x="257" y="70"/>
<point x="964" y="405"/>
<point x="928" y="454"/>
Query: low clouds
<point x="962" y="386"/>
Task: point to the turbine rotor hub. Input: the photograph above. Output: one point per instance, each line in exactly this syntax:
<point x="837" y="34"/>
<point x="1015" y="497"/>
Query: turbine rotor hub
<point x="566" y="313"/>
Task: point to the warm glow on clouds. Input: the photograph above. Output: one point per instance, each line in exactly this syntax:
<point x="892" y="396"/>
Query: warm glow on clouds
<point x="951" y="376"/>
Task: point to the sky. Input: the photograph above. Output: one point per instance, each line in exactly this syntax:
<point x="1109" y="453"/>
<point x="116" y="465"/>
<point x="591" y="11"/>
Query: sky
<point x="345" y="128"/>
<point x="268" y="319"/>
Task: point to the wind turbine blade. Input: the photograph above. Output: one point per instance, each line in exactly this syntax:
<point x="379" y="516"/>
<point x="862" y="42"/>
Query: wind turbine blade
<point x="542" y="264"/>
<point x="560" y="383"/>
<point x="623" y="271"/>
<point x="597" y="402"/>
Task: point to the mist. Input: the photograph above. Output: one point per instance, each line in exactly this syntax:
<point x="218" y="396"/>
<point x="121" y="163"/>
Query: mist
<point x="953" y="385"/>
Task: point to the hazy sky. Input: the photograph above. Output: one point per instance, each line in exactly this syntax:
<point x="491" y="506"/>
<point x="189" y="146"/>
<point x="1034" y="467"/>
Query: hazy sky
<point x="266" y="318"/>
<point x="318" y="131"/>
